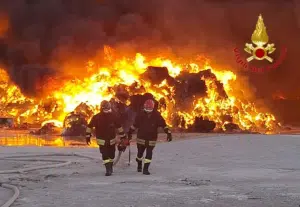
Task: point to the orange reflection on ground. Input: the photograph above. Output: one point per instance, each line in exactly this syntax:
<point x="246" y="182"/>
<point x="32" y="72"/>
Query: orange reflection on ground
<point x="53" y="141"/>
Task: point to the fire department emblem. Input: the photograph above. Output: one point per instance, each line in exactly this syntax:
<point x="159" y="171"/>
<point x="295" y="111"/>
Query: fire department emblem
<point x="259" y="50"/>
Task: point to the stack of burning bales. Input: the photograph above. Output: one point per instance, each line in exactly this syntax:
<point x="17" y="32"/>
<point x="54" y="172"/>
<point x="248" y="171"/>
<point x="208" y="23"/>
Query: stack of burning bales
<point x="75" y="123"/>
<point x="187" y="86"/>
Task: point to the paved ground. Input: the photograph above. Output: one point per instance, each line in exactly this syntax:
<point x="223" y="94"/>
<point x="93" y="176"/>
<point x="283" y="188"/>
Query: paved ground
<point x="235" y="170"/>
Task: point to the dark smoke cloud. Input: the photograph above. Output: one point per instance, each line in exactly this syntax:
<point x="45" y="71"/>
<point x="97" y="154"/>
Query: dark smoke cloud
<point x="44" y="35"/>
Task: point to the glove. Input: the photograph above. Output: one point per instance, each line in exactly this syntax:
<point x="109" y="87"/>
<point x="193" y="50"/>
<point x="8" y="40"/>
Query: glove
<point x="124" y="142"/>
<point x="122" y="146"/>
<point x="88" y="140"/>
<point x="169" y="137"/>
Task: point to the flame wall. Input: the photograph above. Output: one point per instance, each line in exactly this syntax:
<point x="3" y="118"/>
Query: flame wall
<point x="42" y="38"/>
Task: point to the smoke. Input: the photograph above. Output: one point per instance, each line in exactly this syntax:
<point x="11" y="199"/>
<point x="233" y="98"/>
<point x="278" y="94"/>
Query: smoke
<point x="40" y="38"/>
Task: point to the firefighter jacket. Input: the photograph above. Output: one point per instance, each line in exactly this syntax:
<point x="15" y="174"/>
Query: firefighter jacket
<point x="105" y="125"/>
<point x="147" y="125"/>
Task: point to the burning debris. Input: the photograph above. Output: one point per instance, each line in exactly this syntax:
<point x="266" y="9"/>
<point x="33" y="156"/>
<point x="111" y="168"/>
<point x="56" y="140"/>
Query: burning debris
<point x="74" y="124"/>
<point x="202" y="126"/>
<point x="50" y="128"/>
<point x="231" y="127"/>
<point x="156" y="75"/>
<point x="6" y="122"/>
<point x="191" y="98"/>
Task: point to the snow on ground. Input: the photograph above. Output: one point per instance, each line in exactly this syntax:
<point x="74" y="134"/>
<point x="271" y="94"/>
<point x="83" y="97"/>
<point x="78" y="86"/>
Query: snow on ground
<point x="234" y="170"/>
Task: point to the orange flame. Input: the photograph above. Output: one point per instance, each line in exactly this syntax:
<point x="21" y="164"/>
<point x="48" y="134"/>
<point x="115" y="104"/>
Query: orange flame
<point x="94" y="89"/>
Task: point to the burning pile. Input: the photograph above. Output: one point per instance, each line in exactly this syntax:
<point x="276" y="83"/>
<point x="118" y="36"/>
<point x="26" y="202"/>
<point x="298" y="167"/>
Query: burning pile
<point x="188" y="94"/>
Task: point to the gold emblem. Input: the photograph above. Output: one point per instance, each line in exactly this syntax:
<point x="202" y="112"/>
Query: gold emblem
<point x="260" y="38"/>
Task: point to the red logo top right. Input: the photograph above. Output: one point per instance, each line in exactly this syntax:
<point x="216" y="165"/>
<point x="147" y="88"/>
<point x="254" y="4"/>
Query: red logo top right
<point x="260" y="50"/>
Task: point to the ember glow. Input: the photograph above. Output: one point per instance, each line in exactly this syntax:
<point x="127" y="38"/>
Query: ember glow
<point x="100" y="85"/>
<point x="4" y="24"/>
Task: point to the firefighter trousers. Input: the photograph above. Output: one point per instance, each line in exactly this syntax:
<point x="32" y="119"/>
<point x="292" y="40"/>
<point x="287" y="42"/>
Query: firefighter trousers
<point x="149" y="151"/>
<point x="108" y="153"/>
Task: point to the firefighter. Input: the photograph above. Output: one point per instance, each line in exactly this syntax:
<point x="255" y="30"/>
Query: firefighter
<point x="147" y="122"/>
<point x="106" y="123"/>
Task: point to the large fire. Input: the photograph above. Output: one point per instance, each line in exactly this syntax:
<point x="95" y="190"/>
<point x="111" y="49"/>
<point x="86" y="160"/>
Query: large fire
<point x="99" y="86"/>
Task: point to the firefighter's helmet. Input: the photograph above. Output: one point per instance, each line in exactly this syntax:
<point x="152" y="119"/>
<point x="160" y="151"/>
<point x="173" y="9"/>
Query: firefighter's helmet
<point x="105" y="106"/>
<point x="149" y="105"/>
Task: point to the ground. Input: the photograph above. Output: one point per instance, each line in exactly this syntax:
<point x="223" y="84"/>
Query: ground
<point x="233" y="170"/>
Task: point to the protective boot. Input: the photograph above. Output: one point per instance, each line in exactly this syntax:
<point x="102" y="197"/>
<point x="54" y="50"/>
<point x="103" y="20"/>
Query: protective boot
<point x="139" y="165"/>
<point x="108" y="170"/>
<point x="146" y="169"/>
<point x="111" y="167"/>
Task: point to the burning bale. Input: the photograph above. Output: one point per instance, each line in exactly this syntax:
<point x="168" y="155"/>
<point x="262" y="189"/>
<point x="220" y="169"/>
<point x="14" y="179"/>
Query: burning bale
<point x="74" y="125"/>
<point x="156" y="75"/>
<point x="23" y="126"/>
<point x="6" y="122"/>
<point x="193" y="84"/>
<point x="85" y="111"/>
<point x="231" y="127"/>
<point x="189" y="86"/>
<point x="49" y="128"/>
<point x="202" y="126"/>
<point x="122" y="93"/>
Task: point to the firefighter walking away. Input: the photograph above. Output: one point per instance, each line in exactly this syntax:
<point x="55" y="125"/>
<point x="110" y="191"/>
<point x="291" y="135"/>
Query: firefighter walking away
<point x="147" y="123"/>
<point x="106" y="124"/>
